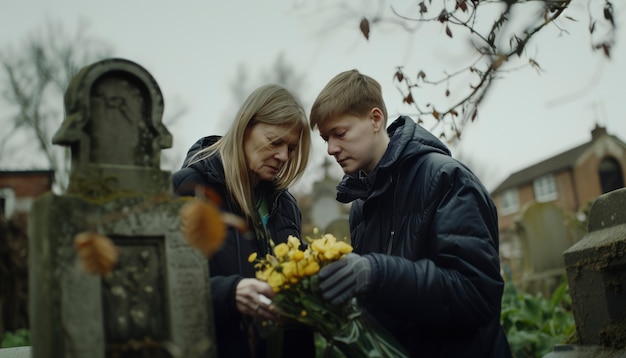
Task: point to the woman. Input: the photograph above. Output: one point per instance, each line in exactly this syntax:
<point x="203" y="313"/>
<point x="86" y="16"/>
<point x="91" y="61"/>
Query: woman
<point x="250" y="167"/>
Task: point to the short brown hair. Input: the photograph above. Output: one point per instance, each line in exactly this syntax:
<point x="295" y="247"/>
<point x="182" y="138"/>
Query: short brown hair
<point x="349" y="92"/>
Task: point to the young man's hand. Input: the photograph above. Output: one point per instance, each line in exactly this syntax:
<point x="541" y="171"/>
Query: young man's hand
<point x="345" y="278"/>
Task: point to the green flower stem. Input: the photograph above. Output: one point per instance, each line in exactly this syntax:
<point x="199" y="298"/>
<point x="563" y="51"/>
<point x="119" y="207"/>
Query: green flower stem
<point x="343" y="326"/>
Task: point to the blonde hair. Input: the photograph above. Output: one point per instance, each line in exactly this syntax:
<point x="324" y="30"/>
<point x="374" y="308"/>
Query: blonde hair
<point x="349" y="92"/>
<point x="270" y="104"/>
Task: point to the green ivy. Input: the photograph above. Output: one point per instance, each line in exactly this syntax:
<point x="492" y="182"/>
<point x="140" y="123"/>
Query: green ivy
<point x="19" y="338"/>
<point x="534" y="324"/>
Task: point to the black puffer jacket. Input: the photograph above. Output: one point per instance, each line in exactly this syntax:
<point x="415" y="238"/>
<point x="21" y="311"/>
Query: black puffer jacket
<point x="430" y="229"/>
<point x="230" y="264"/>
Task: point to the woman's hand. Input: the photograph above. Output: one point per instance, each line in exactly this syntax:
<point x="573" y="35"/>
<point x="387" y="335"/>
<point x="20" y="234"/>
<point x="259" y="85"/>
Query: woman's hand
<point x="253" y="298"/>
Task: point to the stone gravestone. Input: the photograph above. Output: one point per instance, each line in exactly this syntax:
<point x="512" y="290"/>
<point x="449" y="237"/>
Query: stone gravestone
<point x="156" y="301"/>
<point x="596" y="272"/>
<point x="15" y="352"/>
<point x="545" y="231"/>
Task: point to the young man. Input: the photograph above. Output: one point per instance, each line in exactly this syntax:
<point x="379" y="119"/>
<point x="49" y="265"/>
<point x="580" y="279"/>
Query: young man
<point x="423" y="228"/>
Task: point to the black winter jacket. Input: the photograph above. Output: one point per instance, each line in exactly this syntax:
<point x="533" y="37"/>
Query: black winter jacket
<point x="430" y="230"/>
<point x="230" y="263"/>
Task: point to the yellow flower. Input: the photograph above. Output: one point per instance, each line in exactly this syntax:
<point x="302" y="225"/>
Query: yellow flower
<point x="290" y="273"/>
<point x="293" y="242"/>
<point x="297" y="255"/>
<point x="311" y="268"/>
<point x="275" y="280"/>
<point x="289" y="269"/>
<point x="281" y="250"/>
<point x="344" y="247"/>
<point x="289" y="264"/>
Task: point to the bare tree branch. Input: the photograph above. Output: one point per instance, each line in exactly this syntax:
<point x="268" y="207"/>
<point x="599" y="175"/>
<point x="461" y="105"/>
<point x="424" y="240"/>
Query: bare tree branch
<point x="33" y="82"/>
<point x="499" y="32"/>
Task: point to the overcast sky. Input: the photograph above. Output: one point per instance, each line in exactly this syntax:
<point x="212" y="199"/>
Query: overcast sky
<point x="194" y="49"/>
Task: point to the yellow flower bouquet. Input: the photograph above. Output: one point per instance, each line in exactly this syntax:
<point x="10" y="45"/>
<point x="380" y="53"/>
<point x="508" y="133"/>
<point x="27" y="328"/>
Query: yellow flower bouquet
<point x="292" y="273"/>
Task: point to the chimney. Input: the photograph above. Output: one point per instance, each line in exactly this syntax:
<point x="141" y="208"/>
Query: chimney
<point x="597" y="132"/>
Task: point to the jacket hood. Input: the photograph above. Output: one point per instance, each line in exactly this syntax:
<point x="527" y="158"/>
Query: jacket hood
<point x="212" y="167"/>
<point x="407" y="141"/>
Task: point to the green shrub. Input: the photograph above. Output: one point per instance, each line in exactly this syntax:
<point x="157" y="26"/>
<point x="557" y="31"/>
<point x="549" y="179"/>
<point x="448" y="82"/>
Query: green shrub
<point x="534" y="324"/>
<point x="19" y="338"/>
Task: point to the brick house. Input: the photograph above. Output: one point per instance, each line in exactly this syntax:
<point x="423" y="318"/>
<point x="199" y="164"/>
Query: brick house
<point x="18" y="189"/>
<point x="572" y="179"/>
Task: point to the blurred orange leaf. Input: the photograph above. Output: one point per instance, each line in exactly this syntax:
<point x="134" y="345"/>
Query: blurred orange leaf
<point x="97" y="253"/>
<point x="203" y="226"/>
<point x="208" y="193"/>
<point x="235" y="221"/>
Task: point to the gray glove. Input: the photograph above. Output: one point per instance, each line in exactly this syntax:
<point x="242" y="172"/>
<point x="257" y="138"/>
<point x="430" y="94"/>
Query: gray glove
<point x="345" y="278"/>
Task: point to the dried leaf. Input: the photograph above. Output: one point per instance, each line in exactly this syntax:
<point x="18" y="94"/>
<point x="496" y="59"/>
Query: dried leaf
<point x="421" y="74"/>
<point x="408" y="99"/>
<point x="498" y="62"/>
<point x="608" y="13"/>
<point x="97" y="253"/>
<point x="447" y="92"/>
<point x="209" y="194"/>
<point x="365" y="28"/>
<point x="443" y="16"/>
<point x="235" y="221"/>
<point x="534" y="64"/>
<point x="423" y="8"/>
<point x="203" y="226"/>
<point x="399" y="75"/>
<point x="448" y="32"/>
<point x="435" y="114"/>
<point x="461" y="4"/>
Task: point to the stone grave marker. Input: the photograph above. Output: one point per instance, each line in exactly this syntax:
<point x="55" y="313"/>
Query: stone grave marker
<point x="596" y="273"/>
<point x="156" y="300"/>
<point x="544" y="232"/>
<point x="15" y="352"/>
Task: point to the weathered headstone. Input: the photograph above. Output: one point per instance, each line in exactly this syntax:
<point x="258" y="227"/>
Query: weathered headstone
<point x="596" y="272"/>
<point x="545" y="231"/>
<point x="15" y="352"/>
<point x="156" y="301"/>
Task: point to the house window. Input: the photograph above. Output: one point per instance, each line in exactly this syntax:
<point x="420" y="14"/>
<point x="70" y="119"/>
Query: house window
<point x="7" y="202"/>
<point x="610" y="175"/>
<point x="509" y="201"/>
<point x="545" y="188"/>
